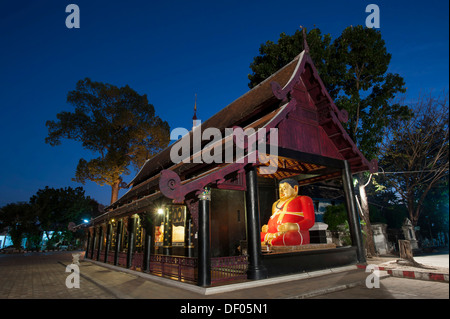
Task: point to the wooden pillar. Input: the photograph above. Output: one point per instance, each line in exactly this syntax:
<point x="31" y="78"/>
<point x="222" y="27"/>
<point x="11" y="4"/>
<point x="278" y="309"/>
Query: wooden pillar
<point x="131" y="239"/>
<point x="99" y="244"/>
<point x="94" y="237"/>
<point x="149" y="243"/>
<point x="188" y="235"/>
<point x="88" y="243"/>
<point x="256" y="269"/>
<point x="118" y="241"/>
<point x="204" y="239"/>
<point x="353" y="218"/>
<point x="167" y="241"/>
<point x="108" y="241"/>
<point x="147" y="251"/>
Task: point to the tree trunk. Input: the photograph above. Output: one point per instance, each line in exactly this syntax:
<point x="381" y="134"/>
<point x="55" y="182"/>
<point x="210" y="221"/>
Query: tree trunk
<point x="115" y="191"/>
<point x="406" y="255"/>
<point x="405" y="250"/>
<point x="412" y="211"/>
<point x="411" y="208"/>
<point x="369" y="243"/>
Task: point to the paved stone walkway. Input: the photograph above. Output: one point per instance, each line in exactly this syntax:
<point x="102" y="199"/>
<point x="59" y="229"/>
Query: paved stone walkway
<point x="43" y="276"/>
<point x="394" y="288"/>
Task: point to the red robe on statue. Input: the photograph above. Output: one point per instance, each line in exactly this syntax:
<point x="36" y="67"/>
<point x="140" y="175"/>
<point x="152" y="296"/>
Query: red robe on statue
<point x="298" y="210"/>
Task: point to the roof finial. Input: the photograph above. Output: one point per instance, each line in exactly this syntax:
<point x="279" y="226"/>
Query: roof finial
<point x="305" y="43"/>
<point x="195" y="108"/>
<point x="195" y="122"/>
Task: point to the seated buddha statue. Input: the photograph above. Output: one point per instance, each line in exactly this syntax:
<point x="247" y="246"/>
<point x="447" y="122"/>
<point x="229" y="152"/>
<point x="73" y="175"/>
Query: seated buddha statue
<point x="292" y="217"/>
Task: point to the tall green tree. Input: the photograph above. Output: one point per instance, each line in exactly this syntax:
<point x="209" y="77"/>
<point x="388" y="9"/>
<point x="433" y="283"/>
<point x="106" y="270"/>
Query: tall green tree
<point x="366" y="88"/>
<point x="273" y="56"/>
<point x="354" y="69"/>
<point x="117" y="124"/>
<point x="18" y="219"/>
<point x="366" y="92"/>
<point x="435" y="218"/>
<point x="416" y="153"/>
<point x="56" y="208"/>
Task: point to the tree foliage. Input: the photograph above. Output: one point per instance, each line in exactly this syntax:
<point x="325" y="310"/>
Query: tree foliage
<point x="273" y="56"/>
<point x="48" y="211"/>
<point x="416" y="152"/>
<point x="117" y="124"/>
<point x="56" y="208"/>
<point x="366" y="89"/>
<point x="335" y="216"/>
<point x="435" y="218"/>
<point x="18" y="219"/>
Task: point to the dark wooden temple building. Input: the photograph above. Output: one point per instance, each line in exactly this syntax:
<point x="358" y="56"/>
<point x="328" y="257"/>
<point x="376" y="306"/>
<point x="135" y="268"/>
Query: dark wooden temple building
<point x="200" y="222"/>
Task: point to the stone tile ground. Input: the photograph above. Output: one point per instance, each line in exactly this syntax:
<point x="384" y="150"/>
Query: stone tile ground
<point x="43" y="276"/>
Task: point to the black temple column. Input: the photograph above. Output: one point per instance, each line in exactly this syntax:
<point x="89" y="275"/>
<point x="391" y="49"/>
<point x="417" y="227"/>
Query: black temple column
<point x="167" y="241"/>
<point x="204" y="239"/>
<point x="149" y="240"/>
<point x="94" y="240"/>
<point x="131" y="240"/>
<point x="353" y="218"/>
<point x="118" y="242"/>
<point x="188" y="235"/>
<point x="99" y="244"/>
<point x="256" y="269"/>
<point x="108" y="241"/>
<point x="88" y="243"/>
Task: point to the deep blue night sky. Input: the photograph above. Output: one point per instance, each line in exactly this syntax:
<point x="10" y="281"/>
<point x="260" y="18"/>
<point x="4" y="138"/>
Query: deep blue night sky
<point x="170" y="50"/>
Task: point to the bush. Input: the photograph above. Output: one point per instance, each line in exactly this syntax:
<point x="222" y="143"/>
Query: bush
<point x="335" y="216"/>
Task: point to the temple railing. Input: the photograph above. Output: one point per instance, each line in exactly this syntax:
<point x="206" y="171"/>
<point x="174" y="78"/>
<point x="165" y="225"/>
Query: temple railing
<point x="182" y="268"/>
<point x="175" y="267"/>
<point x="122" y="259"/>
<point x="111" y="255"/>
<point x="228" y="268"/>
<point x="137" y="263"/>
